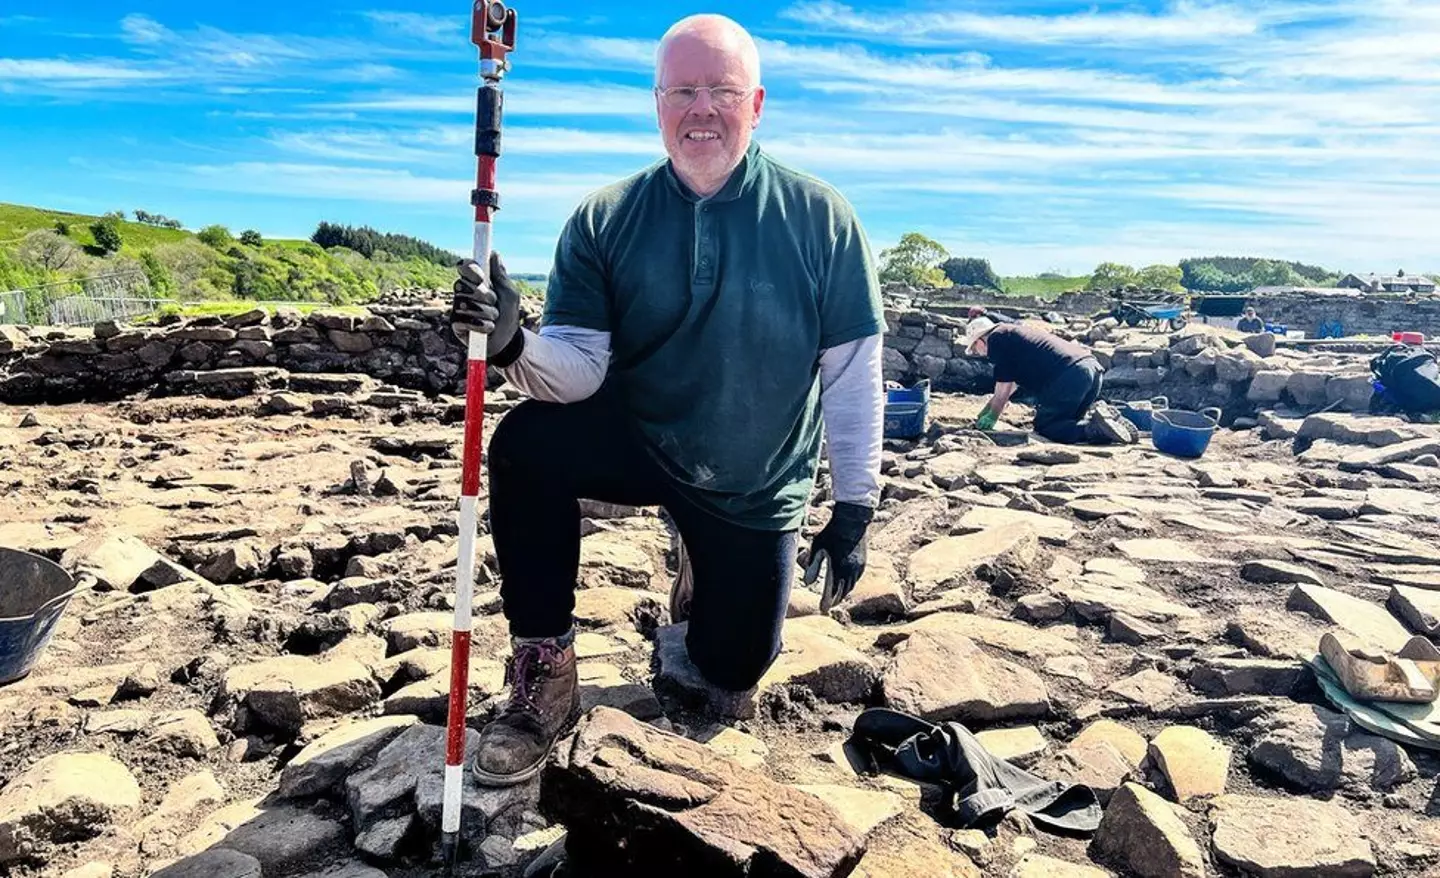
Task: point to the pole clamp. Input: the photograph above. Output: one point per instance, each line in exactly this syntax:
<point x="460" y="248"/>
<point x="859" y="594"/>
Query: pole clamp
<point x="485" y="198"/>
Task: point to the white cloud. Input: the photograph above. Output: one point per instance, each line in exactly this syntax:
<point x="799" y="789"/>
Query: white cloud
<point x="1183" y="22"/>
<point x="523" y="97"/>
<point x="445" y="142"/>
<point x="448" y="29"/>
<point x="58" y="71"/>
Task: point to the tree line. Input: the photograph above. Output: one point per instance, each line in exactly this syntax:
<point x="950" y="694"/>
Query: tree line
<point x="923" y="262"/>
<point x="367" y="242"/>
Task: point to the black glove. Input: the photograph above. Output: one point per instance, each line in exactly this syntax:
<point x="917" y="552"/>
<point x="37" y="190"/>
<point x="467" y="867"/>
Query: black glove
<point x="489" y="306"/>
<point x="842" y="543"/>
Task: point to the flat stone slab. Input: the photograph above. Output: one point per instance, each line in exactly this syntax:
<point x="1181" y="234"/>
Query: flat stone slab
<point x="1143" y="831"/>
<point x="1400" y="451"/>
<point x="638" y="800"/>
<point x="1427" y="578"/>
<point x="329" y="759"/>
<point x="1269" y="571"/>
<point x="1192" y="761"/>
<point x="63" y="797"/>
<point x="1097" y="597"/>
<point x="1367" y="621"/>
<point x="1051" y="529"/>
<point x="1284" y="837"/>
<point x="286" y="840"/>
<point x="943" y="675"/>
<point x="951" y="560"/>
<point x="1419" y="608"/>
<point x="217" y="863"/>
<point x="1313" y="748"/>
<point x="286" y="691"/>
<point x="1013" y="637"/>
<point x="1019" y="745"/>
<point x="1096" y="508"/>
<point x="1160" y="549"/>
<point x="1401" y="501"/>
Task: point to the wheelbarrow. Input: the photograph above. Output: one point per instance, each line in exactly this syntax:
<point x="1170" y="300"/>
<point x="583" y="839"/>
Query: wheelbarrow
<point x="1183" y="433"/>
<point x="33" y="594"/>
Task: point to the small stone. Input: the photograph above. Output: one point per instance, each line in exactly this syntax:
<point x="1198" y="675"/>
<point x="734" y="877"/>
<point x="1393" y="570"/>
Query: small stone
<point x="878" y="596"/>
<point x="286" y="691"/>
<point x="217" y="863"/>
<point x="949" y="561"/>
<point x="1192" y="761"/>
<point x="1142" y="830"/>
<point x="1127" y="629"/>
<point x="1369" y="622"/>
<point x="1265" y="571"/>
<point x="1420" y="608"/>
<point x="29" y="420"/>
<point x="1279" y="837"/>
<point x="286" y="840"/>
<point x="1039" y="866"/>
<point x="184" y="733"/>
<point x="1019" y="745"/>
<point x="382" y="839"/>
<point x="63" y="797"/>
<point x="747" y="750"/>
<point x="862" y="810"/>
<point x="329" y="759"/>
<point x="1040" y="607"/>
<point x="1149" y="689"/>
<point x="1224" y="677"/>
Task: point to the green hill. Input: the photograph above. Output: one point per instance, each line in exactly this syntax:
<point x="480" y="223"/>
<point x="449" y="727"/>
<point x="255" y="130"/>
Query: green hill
<point x="53" y="254"/>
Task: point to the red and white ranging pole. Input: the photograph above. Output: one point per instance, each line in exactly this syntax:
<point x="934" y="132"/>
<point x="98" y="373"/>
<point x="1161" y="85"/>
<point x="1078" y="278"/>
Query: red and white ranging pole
<point x="492" y="30"/>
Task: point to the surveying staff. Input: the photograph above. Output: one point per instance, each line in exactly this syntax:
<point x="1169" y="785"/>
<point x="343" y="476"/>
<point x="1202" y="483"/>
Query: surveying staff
<point x="699" y="317"/>
<point x="1063" y="374"/>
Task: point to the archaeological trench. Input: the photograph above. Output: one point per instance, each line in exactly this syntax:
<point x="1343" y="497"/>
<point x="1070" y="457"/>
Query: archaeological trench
<point x="252" y="679"/>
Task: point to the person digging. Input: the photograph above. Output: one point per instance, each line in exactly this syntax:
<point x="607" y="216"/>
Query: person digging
<point x="1063" y="375"/>
<point x="700" y="316"/>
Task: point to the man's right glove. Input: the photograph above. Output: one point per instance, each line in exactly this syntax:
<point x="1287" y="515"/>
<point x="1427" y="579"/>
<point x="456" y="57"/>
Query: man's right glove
<point x="488" y="306"/>
<point x="987" y="419"/>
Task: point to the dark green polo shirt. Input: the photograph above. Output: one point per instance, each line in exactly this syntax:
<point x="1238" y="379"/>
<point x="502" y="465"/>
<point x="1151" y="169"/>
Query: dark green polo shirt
<point x="718" y="309"/>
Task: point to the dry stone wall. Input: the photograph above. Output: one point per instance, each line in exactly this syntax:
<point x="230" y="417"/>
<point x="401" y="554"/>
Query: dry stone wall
<point x="409" y="346"/>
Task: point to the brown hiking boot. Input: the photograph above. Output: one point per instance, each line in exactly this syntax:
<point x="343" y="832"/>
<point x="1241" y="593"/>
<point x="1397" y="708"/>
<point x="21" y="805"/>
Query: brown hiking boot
<point x="544" y="703"/>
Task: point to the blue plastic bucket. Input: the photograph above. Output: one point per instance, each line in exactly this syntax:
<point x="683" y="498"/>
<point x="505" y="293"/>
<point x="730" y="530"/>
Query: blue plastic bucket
<point x="1140" y="413"/>
<point x="906" y="410"/>
<point x="33" y="594"/>
<point x="1182" y="433"/>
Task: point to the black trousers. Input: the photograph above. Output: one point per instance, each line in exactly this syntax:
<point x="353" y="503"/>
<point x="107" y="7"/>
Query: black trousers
<point x="1062" y="407"/>
<point x="545" y="457"/>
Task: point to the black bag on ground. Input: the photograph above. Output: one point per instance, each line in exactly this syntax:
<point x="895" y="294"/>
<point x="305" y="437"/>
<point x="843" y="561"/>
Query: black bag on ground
<point x="1411" y="376"/>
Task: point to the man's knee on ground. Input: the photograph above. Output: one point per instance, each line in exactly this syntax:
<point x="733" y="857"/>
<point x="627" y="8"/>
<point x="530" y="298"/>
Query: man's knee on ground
<point x="730" y="667"/>
<point x="516" y="440"/>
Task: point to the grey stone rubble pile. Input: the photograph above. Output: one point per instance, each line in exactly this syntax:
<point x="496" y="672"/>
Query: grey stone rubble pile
<point x="275" y="681"/>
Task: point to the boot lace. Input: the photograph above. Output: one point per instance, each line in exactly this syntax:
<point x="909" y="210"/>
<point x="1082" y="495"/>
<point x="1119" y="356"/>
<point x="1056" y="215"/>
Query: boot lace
<point x="527" y="671"/>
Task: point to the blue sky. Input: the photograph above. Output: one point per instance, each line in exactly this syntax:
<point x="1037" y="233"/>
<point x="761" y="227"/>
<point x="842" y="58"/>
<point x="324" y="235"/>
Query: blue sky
<point x="1043" y="136"/>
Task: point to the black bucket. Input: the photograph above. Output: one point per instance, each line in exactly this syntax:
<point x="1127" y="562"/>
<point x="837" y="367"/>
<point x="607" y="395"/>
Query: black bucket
<point x="33" y="594"/>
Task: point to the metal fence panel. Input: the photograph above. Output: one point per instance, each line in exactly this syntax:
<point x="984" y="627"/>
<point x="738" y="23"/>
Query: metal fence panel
<point x="118" y="296"/>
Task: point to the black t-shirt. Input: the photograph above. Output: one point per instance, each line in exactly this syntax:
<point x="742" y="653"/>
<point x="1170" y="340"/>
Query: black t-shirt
<point x="1250" y="324"/>
<point x="1030" y="356"/>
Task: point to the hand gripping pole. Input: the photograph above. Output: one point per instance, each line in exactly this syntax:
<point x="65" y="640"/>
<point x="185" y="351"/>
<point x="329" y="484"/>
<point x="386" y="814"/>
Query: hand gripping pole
<point x="493" y="33"/>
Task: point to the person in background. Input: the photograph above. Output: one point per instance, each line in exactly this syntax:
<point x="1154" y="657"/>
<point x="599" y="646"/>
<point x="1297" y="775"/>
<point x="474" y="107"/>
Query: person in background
<point x="978" y="311"/>
<point x="1251" y="322"/>
<point x="1064" y="375"/>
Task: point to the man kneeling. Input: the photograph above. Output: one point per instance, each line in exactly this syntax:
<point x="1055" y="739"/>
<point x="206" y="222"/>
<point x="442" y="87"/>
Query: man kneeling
<point x="699" y="317"/>
<point x="1064" y="375"/>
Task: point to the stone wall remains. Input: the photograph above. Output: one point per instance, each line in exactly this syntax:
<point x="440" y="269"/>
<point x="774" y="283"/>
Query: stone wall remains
<point x="411" y="347"/>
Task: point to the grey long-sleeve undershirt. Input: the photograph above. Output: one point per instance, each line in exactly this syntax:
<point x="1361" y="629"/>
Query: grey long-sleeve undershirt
<point x="567" y="364"/>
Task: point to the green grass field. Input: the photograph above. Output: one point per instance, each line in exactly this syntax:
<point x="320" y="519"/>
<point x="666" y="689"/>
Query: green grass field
<point x="18" y="220"/>
<point x="1043" y="287"/>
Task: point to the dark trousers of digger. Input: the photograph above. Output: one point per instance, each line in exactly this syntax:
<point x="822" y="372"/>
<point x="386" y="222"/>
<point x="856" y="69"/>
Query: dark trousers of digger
<point x="1063" y="407"/>
<point x="545" y="457"/>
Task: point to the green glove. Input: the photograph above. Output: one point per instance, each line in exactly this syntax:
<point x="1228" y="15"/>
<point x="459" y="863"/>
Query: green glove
<point x="987" y="419"/>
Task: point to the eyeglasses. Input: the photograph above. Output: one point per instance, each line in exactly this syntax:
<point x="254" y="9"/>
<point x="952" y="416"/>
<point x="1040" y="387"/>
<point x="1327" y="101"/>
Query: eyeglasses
<point x="726" y="97"/>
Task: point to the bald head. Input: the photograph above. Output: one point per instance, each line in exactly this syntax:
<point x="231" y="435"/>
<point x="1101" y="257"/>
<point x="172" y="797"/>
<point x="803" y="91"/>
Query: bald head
<point x="714" y="32"/>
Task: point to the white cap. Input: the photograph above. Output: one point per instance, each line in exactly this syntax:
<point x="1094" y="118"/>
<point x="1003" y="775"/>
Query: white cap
<point x="974" y="331"/>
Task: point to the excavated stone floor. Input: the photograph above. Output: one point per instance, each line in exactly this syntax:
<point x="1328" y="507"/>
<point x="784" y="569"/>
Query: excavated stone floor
<point x="252" y="681"/>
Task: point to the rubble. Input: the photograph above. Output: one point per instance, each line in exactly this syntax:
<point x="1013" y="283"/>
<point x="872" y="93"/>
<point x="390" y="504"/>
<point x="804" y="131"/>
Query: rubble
<point x="264" y="658"/>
